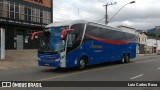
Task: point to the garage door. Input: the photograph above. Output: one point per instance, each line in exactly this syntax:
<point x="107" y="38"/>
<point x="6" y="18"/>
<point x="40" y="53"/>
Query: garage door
<point x="20" y="42"/>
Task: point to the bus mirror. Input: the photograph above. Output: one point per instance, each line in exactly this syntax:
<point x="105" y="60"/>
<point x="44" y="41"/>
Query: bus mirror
<point x="64" y="33"/>
<point x="36" y="33"/>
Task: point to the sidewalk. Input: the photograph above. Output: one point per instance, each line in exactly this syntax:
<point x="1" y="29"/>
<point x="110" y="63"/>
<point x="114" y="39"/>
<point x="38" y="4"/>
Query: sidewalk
<point x="19" y="59"/>
<point x="146" y="54"/>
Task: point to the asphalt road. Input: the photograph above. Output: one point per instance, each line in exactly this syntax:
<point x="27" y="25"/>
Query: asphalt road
<point x="143" y="68"/>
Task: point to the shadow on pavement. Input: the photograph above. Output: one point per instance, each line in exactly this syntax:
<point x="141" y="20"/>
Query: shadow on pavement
<point x="89" y="67"/>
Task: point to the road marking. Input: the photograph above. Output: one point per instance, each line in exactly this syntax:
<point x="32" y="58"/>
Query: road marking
<point x="137" y="76"/>
<point x="74" y="73"/>
<point x="158" y="68"/>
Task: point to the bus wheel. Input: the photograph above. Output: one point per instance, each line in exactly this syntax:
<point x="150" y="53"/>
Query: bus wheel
<point x="82" y="64"/>
<point x="127" y="58"/>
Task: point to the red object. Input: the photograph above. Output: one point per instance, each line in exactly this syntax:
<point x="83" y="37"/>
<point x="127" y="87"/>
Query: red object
<point x="108" y="41"/>
<point x="64" y="33"/>
<point x="36" y="33"/>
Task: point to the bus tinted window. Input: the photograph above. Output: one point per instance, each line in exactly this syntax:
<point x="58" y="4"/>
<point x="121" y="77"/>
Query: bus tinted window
<point x="75" y="36"/>
<point x="108" y="34"/>
<point x="78" y="29"/>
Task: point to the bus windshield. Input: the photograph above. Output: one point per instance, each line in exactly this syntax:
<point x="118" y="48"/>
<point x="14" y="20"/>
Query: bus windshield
<point x="51" y="40"/>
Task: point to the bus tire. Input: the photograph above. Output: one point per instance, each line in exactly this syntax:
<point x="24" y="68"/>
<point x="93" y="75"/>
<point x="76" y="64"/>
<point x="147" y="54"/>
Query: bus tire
<point x="82" y="64"/>
<point x="127" y="58"/>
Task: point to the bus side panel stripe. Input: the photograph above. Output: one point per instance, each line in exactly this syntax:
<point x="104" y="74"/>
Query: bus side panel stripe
<point x="108" y="41"/>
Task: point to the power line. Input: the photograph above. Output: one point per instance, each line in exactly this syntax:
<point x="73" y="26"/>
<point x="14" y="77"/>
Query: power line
<point x="80" y="12"/>
<point x="71" y="7"/>
<point x="101" y="19"/>
<point x="84" y="16"/>
<point x="74" y="11"/>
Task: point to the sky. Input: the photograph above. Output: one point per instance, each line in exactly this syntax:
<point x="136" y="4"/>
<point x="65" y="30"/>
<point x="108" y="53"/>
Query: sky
<point x="142" y="15"/>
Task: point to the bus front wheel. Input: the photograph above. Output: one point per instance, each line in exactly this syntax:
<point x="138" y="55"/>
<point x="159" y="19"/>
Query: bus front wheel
<point x="82" y="64"/>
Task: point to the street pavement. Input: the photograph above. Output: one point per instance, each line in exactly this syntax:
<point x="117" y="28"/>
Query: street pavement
<point x="143" y="68"/>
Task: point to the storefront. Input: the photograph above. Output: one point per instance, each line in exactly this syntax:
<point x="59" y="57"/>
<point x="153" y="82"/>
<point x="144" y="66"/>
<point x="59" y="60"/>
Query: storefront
<point x="20" y="18"/>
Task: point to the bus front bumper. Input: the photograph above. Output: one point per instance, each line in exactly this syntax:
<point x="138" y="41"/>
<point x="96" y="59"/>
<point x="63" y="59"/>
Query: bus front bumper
<point x="50" y="63"/>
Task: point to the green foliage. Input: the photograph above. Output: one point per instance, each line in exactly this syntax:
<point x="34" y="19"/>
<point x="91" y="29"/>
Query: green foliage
<point x="152" y="35"/>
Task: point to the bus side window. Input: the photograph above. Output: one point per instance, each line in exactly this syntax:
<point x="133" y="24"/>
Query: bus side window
<point x="71" y="40"/>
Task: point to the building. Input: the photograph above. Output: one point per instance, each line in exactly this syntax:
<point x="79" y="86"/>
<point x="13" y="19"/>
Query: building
<point x="20" y="18"/>
<point x="152" y="45"/>
<point x="141" y="44"/>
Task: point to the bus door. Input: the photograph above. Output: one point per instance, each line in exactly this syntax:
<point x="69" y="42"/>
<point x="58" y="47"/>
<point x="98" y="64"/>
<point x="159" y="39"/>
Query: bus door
<point x="72" y="48"/>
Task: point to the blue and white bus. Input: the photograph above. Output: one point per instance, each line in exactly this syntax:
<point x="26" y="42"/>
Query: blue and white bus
<point x="79" y="43"/>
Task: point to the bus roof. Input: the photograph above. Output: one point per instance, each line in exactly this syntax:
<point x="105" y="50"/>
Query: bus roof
<point x="72" y="22"/>
<point x="66" y="23"/>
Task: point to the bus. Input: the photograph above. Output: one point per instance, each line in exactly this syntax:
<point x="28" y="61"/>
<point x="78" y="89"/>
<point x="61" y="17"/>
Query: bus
<point x="80" y="43"/>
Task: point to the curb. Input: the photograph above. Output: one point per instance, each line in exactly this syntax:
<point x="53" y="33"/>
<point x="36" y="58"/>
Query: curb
<point x="146" y="54"/>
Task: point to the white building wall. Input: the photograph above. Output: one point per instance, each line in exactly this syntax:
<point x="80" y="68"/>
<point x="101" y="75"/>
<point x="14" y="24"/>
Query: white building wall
<point x="152" y="42"/>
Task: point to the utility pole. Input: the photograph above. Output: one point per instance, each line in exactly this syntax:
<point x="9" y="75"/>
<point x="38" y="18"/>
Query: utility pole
<point x="157" y="28"/>
<point x="106" y="16"/>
